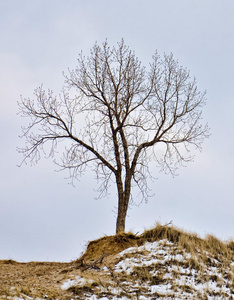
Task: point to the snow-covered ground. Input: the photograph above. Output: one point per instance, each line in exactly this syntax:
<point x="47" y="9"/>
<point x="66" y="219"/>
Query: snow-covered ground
<point x="160" y="270"/>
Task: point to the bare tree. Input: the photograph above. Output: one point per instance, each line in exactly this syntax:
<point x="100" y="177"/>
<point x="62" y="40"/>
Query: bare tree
<point x="117" y="117"/>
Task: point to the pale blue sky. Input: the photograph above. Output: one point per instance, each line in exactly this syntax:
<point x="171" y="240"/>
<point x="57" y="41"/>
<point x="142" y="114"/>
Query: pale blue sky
<point x="44" y="218"/>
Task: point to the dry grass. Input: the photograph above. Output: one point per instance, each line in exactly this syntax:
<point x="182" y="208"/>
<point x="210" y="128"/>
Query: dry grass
<point x="193" y="244"/>
<point x="34" y="279"/>
<point x="109" y="245"/>
<point x="41" y="279"/>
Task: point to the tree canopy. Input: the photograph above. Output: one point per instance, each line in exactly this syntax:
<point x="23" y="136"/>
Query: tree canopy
<point x="118" y="117"/>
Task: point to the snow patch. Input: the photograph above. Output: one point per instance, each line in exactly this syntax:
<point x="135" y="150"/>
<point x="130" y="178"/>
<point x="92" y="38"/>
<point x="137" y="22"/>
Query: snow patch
<point x="80" y="281"/>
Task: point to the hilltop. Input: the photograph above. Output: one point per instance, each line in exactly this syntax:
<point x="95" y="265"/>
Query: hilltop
<point x="161" y="263"/>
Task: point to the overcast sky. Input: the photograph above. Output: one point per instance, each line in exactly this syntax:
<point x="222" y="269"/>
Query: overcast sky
<point x="42" y="217"/>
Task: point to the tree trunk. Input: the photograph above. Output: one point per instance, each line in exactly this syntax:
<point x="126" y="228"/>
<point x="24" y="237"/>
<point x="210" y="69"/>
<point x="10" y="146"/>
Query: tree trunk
<point x="123" y="199"/>
<point x="123" y="202"/>
<point x="121" y="218"/>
